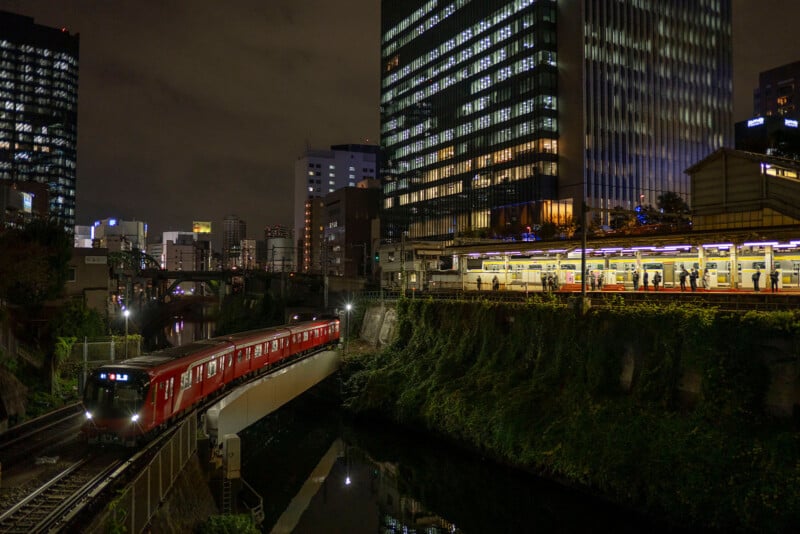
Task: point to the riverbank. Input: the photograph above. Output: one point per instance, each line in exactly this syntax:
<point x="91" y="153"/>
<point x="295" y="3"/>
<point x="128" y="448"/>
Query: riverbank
<point x="666" y="409"/>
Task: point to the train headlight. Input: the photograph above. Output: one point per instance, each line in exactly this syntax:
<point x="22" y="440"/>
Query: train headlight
<point x="135" y="417"/>
<point x="88" y="414"/>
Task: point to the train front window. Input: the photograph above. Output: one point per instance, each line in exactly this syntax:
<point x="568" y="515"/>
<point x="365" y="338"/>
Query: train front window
<point x="108" y="397"/>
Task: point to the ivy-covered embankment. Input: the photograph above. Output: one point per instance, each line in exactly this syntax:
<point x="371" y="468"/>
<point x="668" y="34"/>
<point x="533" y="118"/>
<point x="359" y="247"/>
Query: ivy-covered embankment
<point x="661" y="408"/>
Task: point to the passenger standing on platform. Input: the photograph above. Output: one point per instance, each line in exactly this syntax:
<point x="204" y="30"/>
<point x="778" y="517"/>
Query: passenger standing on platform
<point x="773" y="280"/>
<point x="478" y="283"/>
<point x="544" y="281"/>
<point x="706" y="279"/>
<point x="644" y="280"/>
<point x="495" y="283"/>
<point x="593" y="280"/>
<point x="635" y="277"/>
<point x="756" y="277"/>
<point x="656" y="281"/>
<point x="682" y="277"/>
<point x="693" y="279"/>
<point x="600" y="280"/>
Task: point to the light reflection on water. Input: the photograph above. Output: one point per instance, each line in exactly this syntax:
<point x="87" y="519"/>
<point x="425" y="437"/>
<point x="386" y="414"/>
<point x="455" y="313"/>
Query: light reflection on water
<point x="181" y="332"/>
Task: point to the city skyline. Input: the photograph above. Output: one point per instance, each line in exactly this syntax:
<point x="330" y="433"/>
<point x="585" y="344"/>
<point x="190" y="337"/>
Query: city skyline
<point x="183" y="105"/>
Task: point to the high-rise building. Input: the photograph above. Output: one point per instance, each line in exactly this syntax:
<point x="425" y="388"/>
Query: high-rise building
<point x="319" y="172"/>
<point x="117" y="235"/>
<point x="778" y="92"/>
<point x="39" y="110"/>
<point x="233" y="231"/>
<point x="500" y="115"/>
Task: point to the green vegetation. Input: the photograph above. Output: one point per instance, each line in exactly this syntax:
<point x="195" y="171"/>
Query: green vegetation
<point x="33" y="263"/>
<point x="536" y="387"/>
<point x="229" y="524"/>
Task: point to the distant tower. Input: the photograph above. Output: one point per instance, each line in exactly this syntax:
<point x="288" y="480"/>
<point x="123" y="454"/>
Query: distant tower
<point x="233" y="231"/>
<point x="39" y="107"/>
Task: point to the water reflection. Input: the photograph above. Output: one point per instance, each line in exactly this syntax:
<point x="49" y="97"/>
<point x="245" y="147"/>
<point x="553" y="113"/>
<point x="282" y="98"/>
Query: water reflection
<point x="300" y="462"/>
<point x="181" y="332"/>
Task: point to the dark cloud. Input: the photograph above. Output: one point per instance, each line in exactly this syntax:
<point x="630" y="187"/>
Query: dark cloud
<point x="196" y="109"/>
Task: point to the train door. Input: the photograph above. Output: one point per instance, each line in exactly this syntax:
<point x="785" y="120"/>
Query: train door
<point x="669" y="275"/>
<point x="720" y="273"/>
<point x="790" y="274"/>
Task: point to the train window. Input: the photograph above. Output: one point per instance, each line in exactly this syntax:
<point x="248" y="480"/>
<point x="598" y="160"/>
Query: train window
<point x="759" y="265"/>
<point x="258" y="351"/>
<point x="186" y="380"/>
<point x="535" y="266"/>
<point x="274" y="345"/>
<point x="230" y="359"/>
<point x="171" y="386"/>
<point x="711" y="265"/>
<point x="305" y="336"/>
<point x="166" y="390"/>
<point x="212" y="368"/>
<point x="652" y="265"/>
<point x="569" y="266"/>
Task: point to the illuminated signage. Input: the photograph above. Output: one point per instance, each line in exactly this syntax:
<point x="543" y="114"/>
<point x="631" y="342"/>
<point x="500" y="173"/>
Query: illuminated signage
<point x="27" y="202"/>
<point x="755" y="122"/>
<point x="114" y="377"/>
<point x="112" y="222"/>
<point x="201" y="227"/>
<point x="790" y="123"/>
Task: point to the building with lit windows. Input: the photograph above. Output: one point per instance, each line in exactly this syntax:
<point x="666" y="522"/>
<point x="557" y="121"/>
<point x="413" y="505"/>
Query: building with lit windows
<point x="233" y="231"/>
<point x="319" y="172"/>
<point x="774" y="128"/>
<point x="39" y="110"/>
<point x="778" y="92"/>
<point x="117" y="235"/>
<point x="497" y="116"/>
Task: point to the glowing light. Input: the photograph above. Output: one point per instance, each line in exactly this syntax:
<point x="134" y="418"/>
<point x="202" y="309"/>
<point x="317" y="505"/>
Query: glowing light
<point x="135" y="417"/>
<point x="790" y="123"/>
<point x="755" y="122"/>
<point x="88" y="415"/>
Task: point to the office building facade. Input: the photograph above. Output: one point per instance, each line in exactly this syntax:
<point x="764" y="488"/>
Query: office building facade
<point x="320" y="172"/>
<point x="778" y="92"/>
<point x="39" y="110"/>
<point x="234" y="230"/>
<point x="497" y="116"/>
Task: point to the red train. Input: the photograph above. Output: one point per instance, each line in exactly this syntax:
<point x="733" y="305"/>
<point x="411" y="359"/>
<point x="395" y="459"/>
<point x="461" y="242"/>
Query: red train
<point x="129" y="401"/>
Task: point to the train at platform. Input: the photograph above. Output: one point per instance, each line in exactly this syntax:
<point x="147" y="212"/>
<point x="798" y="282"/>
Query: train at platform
<point x="562" y="268"/>
<point x="130" y="401"/>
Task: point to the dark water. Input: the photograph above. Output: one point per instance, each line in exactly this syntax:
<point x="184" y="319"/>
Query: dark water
<point x="318" y="474"/>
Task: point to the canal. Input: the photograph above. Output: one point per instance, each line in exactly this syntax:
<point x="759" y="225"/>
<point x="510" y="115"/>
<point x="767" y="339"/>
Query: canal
<point x="318" y="473"/>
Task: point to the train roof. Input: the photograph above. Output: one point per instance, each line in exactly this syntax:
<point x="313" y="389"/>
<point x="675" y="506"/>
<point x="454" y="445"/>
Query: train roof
<point x="153" y="359"/>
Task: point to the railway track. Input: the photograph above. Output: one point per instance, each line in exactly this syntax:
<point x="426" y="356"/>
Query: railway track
<point x="40" y="435"/>
<point x="44" y="509"/>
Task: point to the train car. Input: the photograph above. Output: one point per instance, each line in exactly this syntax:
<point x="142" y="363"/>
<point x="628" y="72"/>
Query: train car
<point x="130" y="401"/>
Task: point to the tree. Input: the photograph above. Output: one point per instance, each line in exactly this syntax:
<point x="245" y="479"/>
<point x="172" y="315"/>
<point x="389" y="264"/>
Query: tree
<point x="673" y="209"/>
<point x="33" y="263"/>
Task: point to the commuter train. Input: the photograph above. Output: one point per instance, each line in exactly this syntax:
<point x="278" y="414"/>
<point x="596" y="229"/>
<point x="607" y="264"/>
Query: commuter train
<point x="525" y="272"/>
<point x="130" y="401"/>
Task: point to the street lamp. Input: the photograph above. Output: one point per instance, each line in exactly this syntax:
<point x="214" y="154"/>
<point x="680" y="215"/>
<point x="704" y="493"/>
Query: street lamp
<point x="126" y="313"/>
<point x="347" y="307"/>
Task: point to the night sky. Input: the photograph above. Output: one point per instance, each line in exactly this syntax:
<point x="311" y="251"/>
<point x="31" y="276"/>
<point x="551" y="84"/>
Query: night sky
<point x="197" y="109"/>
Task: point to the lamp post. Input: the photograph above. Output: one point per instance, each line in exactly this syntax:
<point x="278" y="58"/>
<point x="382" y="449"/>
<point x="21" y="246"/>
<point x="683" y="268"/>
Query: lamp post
<point x="347" y="307"/>
<point x="126" y="313"/>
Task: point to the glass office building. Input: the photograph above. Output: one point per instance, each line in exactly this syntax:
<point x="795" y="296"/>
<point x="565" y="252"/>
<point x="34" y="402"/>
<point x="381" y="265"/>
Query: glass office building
<point x="39" y="110"/>
<point x="500" y="116"/>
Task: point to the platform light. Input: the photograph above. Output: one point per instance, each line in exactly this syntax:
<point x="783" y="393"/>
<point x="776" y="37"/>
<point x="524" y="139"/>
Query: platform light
<point x="88" y="415"/>
<point x="762" y="244"/>
<point x="718" y="245"/>
<point x="135" y="417"/>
